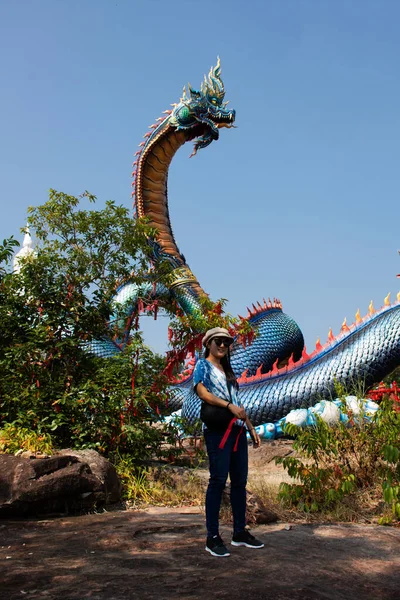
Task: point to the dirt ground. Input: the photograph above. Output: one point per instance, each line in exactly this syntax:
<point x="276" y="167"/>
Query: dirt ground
<point x="159" y="554"/>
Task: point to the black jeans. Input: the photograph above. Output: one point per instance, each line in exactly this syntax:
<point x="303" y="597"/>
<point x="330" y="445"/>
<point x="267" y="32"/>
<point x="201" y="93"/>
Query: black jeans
<point x="223" y="462"/>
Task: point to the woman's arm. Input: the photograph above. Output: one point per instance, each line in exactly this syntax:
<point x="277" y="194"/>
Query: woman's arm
<point x="205" y="395"/>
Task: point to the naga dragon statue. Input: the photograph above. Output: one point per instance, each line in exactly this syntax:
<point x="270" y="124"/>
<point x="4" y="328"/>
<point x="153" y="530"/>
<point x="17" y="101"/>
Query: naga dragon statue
<point x="369" y="349"/>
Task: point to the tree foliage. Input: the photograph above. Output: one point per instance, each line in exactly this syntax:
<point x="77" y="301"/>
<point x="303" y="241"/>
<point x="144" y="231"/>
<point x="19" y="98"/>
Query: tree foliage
<point x="6" y="254"/>
<point x="187" y="330"/>
<point x="57" y="303"/>
<point x="394" y="376"/>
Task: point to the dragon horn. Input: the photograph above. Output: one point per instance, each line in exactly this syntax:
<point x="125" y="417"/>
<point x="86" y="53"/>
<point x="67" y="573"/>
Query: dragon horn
<point x="217" y="69"/>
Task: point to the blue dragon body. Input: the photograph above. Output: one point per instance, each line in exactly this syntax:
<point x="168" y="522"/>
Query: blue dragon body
<point x="275" y="373"/>
<point x="368" y="352"/>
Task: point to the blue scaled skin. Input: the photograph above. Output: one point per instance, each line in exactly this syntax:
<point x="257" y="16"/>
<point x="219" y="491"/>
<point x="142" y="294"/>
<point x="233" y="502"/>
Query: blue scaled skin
<point x="367" y="353"/>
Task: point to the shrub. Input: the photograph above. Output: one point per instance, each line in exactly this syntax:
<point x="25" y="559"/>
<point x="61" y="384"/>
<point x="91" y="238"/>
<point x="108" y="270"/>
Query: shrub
<point x="339" y="462"/>
<point x="14" y="438"/>
<point x="160" y="485"/>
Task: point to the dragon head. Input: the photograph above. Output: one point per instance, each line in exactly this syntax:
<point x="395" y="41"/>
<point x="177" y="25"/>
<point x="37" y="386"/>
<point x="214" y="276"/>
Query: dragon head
<point x="204" y="112"/>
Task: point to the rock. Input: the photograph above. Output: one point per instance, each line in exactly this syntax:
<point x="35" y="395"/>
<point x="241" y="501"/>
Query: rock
<point x="108" y="480"/>
<point x="25" y="454"/>
<point x="256" y="511"/>
<point x="66" y="482"/>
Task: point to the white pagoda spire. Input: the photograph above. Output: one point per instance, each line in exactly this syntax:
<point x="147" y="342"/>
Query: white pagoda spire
<point x="26" y="250"/>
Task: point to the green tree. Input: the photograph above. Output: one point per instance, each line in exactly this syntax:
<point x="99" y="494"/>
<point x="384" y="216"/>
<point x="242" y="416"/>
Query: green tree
<point x="54" y="307"/>
<point x="6" y="253"/>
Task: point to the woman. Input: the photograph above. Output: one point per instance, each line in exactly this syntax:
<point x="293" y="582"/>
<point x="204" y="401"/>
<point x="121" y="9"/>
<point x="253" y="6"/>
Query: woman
<point x="215" y="383"/>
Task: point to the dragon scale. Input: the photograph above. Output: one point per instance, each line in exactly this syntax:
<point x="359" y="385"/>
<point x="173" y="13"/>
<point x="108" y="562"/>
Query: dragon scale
<point x="275" y="373"/>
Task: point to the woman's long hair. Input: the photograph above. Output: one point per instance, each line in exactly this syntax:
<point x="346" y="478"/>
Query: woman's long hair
<point x="226" y="365"/>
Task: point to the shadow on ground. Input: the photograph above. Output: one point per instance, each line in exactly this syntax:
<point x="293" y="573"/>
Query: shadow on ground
<point x="160" y="555"/>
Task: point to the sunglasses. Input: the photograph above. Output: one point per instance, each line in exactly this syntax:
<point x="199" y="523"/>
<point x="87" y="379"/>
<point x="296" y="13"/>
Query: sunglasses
<point x="225" y="341"/>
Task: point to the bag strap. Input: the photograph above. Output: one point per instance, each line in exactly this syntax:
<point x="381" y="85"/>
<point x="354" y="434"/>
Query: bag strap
<point x="235" y="447"/>
<point x="227" y="432"/>
<point x="228" y="385"/>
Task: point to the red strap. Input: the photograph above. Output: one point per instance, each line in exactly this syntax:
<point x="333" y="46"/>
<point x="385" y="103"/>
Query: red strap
<point x="235" y="447"/>
<point x="226" y="434"/>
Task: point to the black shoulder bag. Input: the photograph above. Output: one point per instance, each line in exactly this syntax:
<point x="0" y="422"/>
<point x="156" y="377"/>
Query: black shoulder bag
<point x="216" y="418"/>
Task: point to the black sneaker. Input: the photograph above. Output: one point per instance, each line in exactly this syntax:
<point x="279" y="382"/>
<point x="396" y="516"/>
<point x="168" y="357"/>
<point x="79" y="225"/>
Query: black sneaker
<point x="216" y="546"/>
<point x="244" y="538"/>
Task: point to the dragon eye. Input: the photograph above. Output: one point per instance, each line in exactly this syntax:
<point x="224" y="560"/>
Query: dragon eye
<point x="214" y="100"/>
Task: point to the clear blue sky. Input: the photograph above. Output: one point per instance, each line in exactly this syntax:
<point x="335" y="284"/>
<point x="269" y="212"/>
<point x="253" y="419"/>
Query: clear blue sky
<point x="300" y="202"/>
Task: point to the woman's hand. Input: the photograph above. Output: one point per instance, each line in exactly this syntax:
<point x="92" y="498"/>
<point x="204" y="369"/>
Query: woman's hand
<point x="238" y="412"/>
<point x="255" y="437"/>
<point x="253" y="434"/>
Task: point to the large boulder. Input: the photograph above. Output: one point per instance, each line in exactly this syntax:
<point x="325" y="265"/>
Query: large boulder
<point x="69" y="481"/>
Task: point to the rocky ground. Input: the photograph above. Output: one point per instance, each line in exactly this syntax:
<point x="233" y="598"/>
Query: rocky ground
<point x="159" y="554"/>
